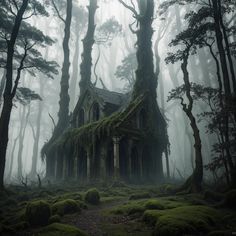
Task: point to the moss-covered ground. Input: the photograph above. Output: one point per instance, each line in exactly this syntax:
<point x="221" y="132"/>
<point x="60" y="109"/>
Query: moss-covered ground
<point x="120" y="210"/>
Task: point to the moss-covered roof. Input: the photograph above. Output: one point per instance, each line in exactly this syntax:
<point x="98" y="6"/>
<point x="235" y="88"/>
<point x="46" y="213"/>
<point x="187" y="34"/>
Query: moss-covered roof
<point x="116" y="124"/>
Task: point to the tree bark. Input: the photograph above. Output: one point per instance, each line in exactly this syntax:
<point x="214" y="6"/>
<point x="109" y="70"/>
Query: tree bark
<point x="63" y="114"/>
<point x="24" y="122"/>
<point x="2" y="85"/>
<point x="75" y="71"/>
<point x="231" y="66"/>
<point x="12" y="157"/>
<point x="194" y="183"/>
<point x="33" y="171"/>
<point x="88" y="41"/>
<point x="8" y="96"/>
<point x="226" y="82"/>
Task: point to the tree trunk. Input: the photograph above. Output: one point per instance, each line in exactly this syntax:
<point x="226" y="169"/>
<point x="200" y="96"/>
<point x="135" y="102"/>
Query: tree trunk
<point x="8" y="96"/>
<point x="35" y="153"/>
<point x="88" y="41"/>
<point x="231" y="66"/>
<point x="33" y="171"/>
<point x="24" y="122"/>
<point x="226" y="82"/>
<point x="2" y="85"/>
<point x="75" y="71"/>
<point x="63" y="114"/>
<point x="12" y="157"/>
<point x="194" y="182"/>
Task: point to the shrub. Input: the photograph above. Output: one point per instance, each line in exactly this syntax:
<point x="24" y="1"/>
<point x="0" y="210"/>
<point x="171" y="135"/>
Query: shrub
<point x="92" y="196"/>
<point x="58" y="229"/>
<point x="211" y="195"/>
<point x="154" y="204"/>
<point x="129" y="209"/>
<point x="150" y="216"/>
<point x="139" y="196"/>
<point x="230" y="199"/>
<point x="186" y="220"/>
<point x="67" y="206"/>
<point x="54" y="219"/>
<point x="38" y="213"/>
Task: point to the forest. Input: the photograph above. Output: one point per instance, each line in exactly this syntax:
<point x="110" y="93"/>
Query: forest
<point x="117" y="117"/>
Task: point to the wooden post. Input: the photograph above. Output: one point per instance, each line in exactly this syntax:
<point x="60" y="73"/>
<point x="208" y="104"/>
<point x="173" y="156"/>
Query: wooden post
<point x="88" y="165"/>
<point x="116" y="142"/>
<point x="140" y="163"/>
<point x="76" y="167"/>
<point x="65" y="167"/>
<point x="55" y="167"/>
<point x="167" y="163"/>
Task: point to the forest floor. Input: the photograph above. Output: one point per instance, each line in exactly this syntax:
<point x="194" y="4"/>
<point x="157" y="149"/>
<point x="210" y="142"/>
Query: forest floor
<point x="121" y="210"/>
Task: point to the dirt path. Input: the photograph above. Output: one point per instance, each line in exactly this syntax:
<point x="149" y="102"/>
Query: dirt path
<point x="91" y="220"/>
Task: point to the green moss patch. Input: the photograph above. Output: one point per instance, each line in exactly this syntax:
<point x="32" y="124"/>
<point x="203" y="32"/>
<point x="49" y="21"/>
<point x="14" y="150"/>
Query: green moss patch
<point x="129" y="209"/>
<point x="38" y="213"/>
<point x="54" y="219"/>
<point x="92" y="196"/>
<point x="183" y="220"/>
<point x="139" y="196"/>
<point x="212" y="196"/>
<point x="230" y="199"/>
<point x="57" y="229"/>
<point x="67" y="206"/>
<point x="154" y="204"/>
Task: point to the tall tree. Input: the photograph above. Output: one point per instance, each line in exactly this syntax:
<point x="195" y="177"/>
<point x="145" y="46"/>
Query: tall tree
<point x="194" y="183"/>
<point x="64" y="100"/>
<point x="16" y="33"/>
<point x="79" y="22"/>
<point x="88" y="42"/>
<point x="146" y="79"/>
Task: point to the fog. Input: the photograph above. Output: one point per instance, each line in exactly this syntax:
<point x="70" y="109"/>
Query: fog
<point x="26" y="118"/>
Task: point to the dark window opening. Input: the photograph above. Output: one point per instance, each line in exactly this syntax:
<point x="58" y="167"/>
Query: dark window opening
<point x="135" y="165"/>
<point x="81" y="117"/>
<point x="95" y="112"/>
<point x="142" y="119"/>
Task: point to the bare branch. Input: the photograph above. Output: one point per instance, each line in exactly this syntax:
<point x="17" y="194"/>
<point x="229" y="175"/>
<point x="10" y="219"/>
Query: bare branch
<point x="20" y="68"/>
<point x="33" y="131"/>
<point x="57" y="11"/>
<point x="131" y="29"/>
<point x="15" y="4"/>
<point x="11" y="10"/>
<point x="54" y="124"/>
<point x="132" y="9"/>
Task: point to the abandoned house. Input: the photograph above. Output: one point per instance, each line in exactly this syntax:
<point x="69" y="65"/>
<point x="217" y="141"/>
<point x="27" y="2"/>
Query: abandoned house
<point x="109" y="139"/>
<point x="112" y="136"/>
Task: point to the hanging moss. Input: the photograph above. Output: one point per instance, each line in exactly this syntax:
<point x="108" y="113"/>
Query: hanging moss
<point x="116" y="124"/>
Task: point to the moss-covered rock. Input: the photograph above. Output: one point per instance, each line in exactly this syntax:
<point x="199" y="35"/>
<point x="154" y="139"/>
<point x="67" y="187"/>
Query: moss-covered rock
<point x="129" y="209"/>
<point x="230" y="199"/>
<point x="150" y="216"/>
<point x="20" y="226"/>
<point x="57" y="229"/>
<point x="186" y="220"/>
<point x="154" y="204"/>
<point x="54" y="219"/>
<point x="220" y="233"/>
<point x="92" y="196"/>
<point x="211" y="195"/>
<point x="139" y="196"/>
<point x="38" y="213"/>
<point x="67" y="206"/>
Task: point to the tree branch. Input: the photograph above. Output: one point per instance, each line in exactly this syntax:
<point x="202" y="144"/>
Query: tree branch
<point x="132" y="9"/>
<point x="19" y="71"/>
<point x="57" y="11"/>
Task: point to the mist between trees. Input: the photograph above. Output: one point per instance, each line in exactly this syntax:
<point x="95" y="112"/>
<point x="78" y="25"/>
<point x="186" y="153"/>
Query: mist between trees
<point x="194" y="50"/>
